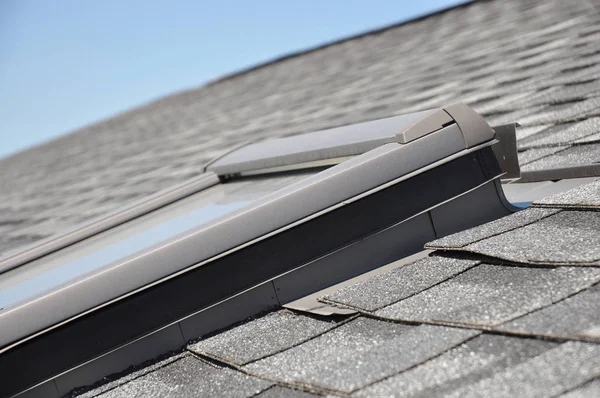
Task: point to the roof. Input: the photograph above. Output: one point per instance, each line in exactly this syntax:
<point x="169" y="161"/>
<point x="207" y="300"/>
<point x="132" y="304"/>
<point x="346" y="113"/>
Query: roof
<point x="502" y="309"/>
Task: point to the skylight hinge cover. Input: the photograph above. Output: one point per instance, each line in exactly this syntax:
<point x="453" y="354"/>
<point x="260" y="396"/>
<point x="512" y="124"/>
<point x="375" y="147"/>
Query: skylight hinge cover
<point x="475" y="130"/>
<point x="429" y="124"/>
<point x="472" y="126"/>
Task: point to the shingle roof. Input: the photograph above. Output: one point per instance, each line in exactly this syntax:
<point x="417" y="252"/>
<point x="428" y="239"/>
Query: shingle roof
<point x="503" y="309"/>
<point x="532" y="62"/>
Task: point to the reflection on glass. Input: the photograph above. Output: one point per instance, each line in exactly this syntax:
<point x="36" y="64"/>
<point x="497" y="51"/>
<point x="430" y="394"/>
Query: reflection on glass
<point x="135" y="236"/>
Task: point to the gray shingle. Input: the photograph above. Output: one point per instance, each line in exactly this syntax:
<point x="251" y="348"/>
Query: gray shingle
<point x="531" y="155"/>
<point x="583" y="197"/>
<point x="566" y="135"/>
<point x="284" y="392"/>
<point x="261" y="337"/>
<point x="128" y="377"/>
<point x="590" y="139"/>
<point x="493" y="228"/>
<point x="398" y="284"/>
<point x="562" y="94"/>
<point x="589" y="390"/>
<point x="563" y="113"/>
<point x="549" y="130"/>
<point x="553" y="372"/>
<point x="524" y="132"/>
<point x="472" y="361"/>
<point x="577" y="316"/>
<point x="579" y="155"/>
<point x="190" y="377"/>
<point x="515" y="115"/>
<point x="492" y="294"/>
<point x="568" y="237"/>
<point x="359" y="353"/>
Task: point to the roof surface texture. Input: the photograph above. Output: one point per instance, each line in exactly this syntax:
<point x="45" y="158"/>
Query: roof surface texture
<point x="505" y="309"/>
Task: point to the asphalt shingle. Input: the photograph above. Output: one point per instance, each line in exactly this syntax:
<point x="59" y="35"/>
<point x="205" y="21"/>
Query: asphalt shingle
<point x="398" y="284"/>
<point x="583" y="197"/>
<point x="568" y="237"/>
<point x="493" y="228"/>
<point x="553" y="372"/>
<point x="492" y="294"/>
<point x="358" y="353"/>
<point x="563" y="113"/>
<point x="283" y="392"/>
<point x="589" y="390"/>
<point x="566" y="135"/>
<point x="190" y="377"/>
<point x="533" y="154"/>
<point x="261" y="337"/>
<point x="466" y="364"/>
<point x="576" y="317"/>
<point x="111" y="384"/>
<point x="579" y="155"/>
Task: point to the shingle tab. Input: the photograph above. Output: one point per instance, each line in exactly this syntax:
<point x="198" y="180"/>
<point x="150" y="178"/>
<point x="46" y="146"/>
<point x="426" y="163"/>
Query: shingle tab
<point x="359" y="353"/>
<point x="579" y="155"/>
<point x="398" y="284"/>
<point x="553" y="372"/>
<point x="261" y="337"/>
<point x="524" y="132"/>
<point x="563" y="113"/>
<point x="190" y="377"/>
<point x="550" y="130"/>
<point x="589" y="390"/>
<point x="496" y="227"/>
<point x="492" y="294"/>
<point x="568" y="134"/>
<point x="577" y="316"/>
<point x="562" y="94"/>
<point x="589" y="139"/>
<point x="472" y="361"/>
<point x="284" y="392"/>
<point x="127" y="378"/>
<point x="531" y="155"/>
<point x="568" y="237"/>
<point x="582" y="197"/>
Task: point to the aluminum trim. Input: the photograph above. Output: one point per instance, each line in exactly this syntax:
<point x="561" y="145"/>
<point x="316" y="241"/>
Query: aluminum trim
<point x="99" y="225"/>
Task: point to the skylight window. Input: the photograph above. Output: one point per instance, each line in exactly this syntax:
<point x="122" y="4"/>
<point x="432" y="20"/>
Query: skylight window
<point x="392" y="185"/>
<point x="95" y="254"/>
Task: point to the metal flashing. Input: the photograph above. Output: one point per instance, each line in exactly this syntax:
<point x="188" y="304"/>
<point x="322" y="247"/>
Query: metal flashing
<point x="591" y="170"/>
<point x="506" y="150"/>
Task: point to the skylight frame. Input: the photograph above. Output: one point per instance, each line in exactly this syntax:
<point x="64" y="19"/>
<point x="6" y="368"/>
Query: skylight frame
<point x="344" y="185"/>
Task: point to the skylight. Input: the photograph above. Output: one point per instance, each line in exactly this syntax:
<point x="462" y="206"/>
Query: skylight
<point x="390" y="186"/>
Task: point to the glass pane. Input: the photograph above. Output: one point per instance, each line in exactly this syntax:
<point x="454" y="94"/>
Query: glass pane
<point x="92" y="254"/>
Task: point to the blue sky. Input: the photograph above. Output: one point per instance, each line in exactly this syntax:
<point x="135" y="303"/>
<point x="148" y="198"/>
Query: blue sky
<point x="68" y="63"/>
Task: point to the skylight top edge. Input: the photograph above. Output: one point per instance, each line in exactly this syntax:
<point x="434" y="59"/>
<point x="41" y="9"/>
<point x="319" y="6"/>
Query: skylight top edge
<point x="350" y="140"/>
<point x="353" y="177"/>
